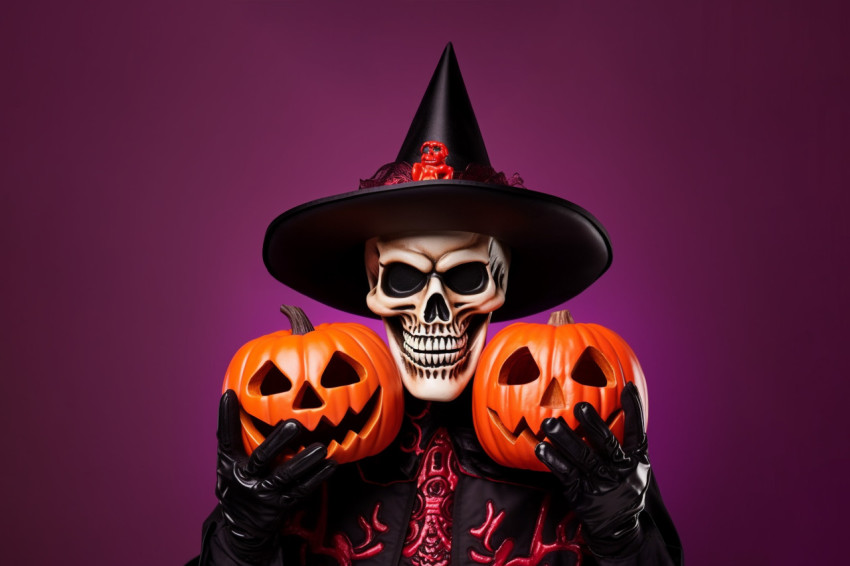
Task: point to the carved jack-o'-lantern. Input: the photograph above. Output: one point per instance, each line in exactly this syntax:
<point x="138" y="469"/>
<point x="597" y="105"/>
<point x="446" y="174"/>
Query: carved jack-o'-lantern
<point x="530" y="372"/>
<point x="338" y="380"/>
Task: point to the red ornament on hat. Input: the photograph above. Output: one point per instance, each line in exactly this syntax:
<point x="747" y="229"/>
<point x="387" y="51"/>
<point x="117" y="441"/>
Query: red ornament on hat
<point x="432" y="165"/>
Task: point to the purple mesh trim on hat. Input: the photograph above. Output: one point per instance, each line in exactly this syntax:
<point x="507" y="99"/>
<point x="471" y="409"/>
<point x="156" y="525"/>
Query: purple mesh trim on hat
<point x="389" y="174"/>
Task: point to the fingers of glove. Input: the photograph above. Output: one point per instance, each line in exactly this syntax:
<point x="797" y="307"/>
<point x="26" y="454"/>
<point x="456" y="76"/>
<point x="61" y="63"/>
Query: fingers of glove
<point x="264" y="455"/>
<point x="299" y="468"/>
<point x="561" y="468"/>
<point x="634" y="437"/>
<point x="598" y="433"/>
<point x="312" y="482"/>
<point x="570" y="444"/>
<point x="229" y="431"/>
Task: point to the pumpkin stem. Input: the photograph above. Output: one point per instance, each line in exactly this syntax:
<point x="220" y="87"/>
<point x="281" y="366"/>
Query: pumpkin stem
<point x="297" y="319"/>
<point x="560" y="318"/>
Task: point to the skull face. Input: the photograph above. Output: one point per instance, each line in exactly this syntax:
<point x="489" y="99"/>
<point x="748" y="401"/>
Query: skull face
<point x="434" y="152"/>
<point x="433" y="163"/>
<point x="435" y="293"/>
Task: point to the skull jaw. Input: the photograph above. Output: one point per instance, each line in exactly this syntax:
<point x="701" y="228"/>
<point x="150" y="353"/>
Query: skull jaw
<point x="444" y="383"/>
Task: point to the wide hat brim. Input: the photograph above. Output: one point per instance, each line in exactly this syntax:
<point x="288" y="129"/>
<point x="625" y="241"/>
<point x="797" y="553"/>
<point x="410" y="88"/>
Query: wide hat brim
<point x="557" y="248"/>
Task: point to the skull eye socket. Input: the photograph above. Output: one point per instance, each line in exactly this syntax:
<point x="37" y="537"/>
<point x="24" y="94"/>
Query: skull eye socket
<point x="402" y="280"/>
<point x="467" y="278"/>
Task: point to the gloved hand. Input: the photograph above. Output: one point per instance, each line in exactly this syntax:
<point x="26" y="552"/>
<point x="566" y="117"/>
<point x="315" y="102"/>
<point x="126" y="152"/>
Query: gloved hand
<point x="606" y="484"/>
<point x="253" y="491"/>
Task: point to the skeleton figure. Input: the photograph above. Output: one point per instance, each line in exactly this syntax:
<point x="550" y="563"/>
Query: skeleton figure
<point x="435" y="293"/>
<point x="433" y="495"/>
<point x="433" y="163"/>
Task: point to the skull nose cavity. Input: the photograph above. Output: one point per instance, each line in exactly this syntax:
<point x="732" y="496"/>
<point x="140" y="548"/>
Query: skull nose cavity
<point x="436" y="308"/>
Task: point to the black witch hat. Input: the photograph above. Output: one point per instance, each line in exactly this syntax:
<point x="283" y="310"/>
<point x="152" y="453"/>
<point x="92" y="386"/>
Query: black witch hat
<point x="557" y="248"/>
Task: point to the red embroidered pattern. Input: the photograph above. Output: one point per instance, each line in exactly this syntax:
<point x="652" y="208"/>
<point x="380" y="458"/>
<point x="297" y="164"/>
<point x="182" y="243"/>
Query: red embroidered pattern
<point x="538" y="549"/>
<point x="341" y="549"/>
<point x="415" y="438"/>
<point x="429" y="534"/>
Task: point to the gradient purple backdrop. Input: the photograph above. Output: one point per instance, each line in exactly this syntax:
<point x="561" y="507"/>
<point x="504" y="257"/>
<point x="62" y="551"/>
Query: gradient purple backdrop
<point x="147" y="145"/>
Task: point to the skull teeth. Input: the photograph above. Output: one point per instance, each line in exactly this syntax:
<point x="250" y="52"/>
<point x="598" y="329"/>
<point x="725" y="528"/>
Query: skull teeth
<point x="434" y="351"/>
<point x="434" y="344"/>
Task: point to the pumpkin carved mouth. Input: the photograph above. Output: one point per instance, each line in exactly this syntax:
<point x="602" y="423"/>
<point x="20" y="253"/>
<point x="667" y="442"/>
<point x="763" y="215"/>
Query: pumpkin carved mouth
<point x="350" y="427"/>
<point x="523" y="429"/>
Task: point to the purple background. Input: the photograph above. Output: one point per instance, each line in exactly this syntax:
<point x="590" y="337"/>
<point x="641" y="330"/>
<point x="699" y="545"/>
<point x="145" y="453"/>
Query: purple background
<point x="146" y="146"/>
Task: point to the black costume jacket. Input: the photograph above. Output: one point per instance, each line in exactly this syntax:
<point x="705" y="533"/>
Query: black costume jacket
<point x="434" y="498"/>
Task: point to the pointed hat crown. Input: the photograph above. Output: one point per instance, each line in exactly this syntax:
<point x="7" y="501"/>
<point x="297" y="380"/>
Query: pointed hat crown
<point x="445" y="114"/>
<point x="557" y="248"/>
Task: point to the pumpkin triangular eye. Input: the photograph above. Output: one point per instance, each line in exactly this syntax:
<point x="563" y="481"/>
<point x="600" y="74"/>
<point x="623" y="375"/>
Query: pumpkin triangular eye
<point x="271" y="379"/>
<point x="519" y="369"/>
<point x="593" y="369"/>
<point x="341" y="370"/>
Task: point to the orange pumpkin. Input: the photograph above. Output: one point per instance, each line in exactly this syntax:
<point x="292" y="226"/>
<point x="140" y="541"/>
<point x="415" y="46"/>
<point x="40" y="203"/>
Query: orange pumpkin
<point x="530" y="372"/>
<point x="338" y="380"/>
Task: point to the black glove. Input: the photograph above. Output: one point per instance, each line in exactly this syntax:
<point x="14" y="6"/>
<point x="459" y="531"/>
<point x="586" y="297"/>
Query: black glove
<point x="606" y="485"/>
<point x="253" y="492"/>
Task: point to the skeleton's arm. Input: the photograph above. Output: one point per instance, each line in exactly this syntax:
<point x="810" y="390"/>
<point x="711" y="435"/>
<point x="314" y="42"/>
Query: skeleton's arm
<point x="254" y="493"/>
